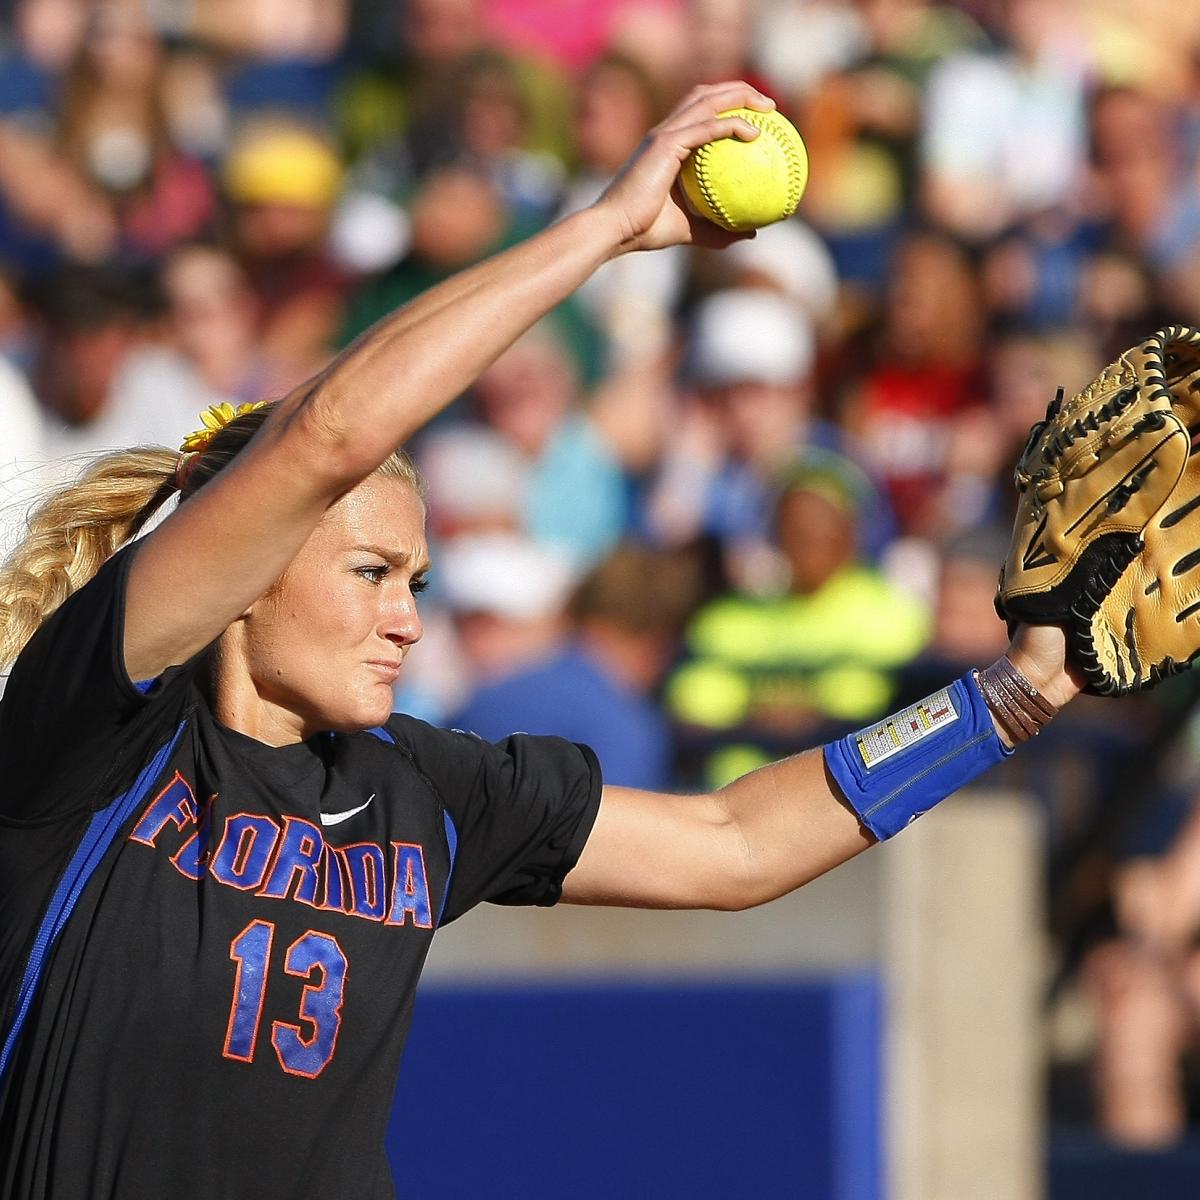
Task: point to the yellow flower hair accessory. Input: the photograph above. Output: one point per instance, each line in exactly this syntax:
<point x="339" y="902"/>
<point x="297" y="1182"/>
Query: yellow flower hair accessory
<point x="215" y="419"/>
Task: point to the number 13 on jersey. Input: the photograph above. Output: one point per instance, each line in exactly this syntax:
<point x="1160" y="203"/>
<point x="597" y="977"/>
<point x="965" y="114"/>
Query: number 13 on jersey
<point x="320" y="1002"/>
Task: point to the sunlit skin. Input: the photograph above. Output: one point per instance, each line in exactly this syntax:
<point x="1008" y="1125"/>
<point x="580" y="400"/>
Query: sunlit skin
<point x="322" y="649"/>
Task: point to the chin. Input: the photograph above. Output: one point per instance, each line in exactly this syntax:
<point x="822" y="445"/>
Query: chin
<point x="370" y="712"/>
<point x="353" y="714"/>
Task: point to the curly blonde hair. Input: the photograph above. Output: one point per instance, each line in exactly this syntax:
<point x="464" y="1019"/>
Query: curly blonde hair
<point x="75" y="529"/>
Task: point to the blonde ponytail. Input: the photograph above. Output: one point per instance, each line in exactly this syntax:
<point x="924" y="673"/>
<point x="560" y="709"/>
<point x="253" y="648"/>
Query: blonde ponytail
<point x="72" y="533"/>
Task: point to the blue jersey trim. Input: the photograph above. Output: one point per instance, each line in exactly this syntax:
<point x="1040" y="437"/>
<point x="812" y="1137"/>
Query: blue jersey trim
<point x="385" y="735"/>
<point x="98" y="837"/>
<point x="452" y="844"/>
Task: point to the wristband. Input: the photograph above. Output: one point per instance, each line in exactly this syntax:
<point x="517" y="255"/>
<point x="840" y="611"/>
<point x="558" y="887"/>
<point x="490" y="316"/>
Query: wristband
<point x="895" y="770"/>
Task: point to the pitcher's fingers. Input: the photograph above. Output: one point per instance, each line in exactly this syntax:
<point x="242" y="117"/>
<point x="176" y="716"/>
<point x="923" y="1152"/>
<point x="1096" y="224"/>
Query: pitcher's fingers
<point x="709" y="99"/>
<point x="708" y="129"/>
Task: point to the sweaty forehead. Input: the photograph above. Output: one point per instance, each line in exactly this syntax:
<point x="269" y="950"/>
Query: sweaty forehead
<point x="386" y="513"/>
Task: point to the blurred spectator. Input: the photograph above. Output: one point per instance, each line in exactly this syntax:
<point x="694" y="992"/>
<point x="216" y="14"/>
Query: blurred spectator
<point x="46" y="37"/>
<point x="787" y="257"/>
<point x="456" y="217"/>
<point x="1024" y="370"/>
<point x="509" y="597"/>
<point x="475" y="482"/>
<point x="575" y="496"/>
<point x="906" y="41"/>
<point x="574" y="33"/>
<point x="1119" y="301"/>
<point x="114" y="131"/>
<point x="597" y="688"/>
<point x="208" y="353"/>
<point x="284" y="180"/>
<point x="916" y="409"/>
<point x="94" y="318"/>
<point x="1147" y="189"/>
<point x="476" y="485"/>
<point x="965" y="629"/>
<point x="1145" y="986"/>
<point x="493" y="123"/>
<point x="719" y="43"/>
<point x="194" y="108"/>
<point x="750" y="360"/>
<point x="632" y="299"/>
<point x="399" y="111"/>
<point x="1004" y="134"/>
<point x="862" y="124"/>
<point x="18" y="333"/>
<point x="770" y="675"/>
<point x="213" y="322"/>
<point x="1039" y="274"/>
<point x="799" y="43"/>
<point x="275" y="54"/>
<point x="49" y="213"/>
<point x="295" y="31"/>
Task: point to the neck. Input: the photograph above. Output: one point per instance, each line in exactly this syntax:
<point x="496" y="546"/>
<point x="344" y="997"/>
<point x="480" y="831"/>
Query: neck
<point x="236" y="703"/>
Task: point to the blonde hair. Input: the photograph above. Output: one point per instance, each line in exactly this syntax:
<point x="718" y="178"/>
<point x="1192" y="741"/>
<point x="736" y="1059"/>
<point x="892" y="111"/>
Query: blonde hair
<point x="77" y="528"/>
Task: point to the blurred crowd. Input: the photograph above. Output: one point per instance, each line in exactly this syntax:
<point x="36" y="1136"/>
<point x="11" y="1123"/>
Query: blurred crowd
<point x="718" y="506"/>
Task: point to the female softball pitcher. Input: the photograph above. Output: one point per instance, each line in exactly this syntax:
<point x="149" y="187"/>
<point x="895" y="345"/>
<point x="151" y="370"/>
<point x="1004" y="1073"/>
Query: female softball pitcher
<point x="223" y="859"/>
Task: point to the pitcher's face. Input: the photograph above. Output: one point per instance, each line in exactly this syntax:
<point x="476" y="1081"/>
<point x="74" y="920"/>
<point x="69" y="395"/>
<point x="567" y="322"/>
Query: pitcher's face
<point x="328" y="641"/>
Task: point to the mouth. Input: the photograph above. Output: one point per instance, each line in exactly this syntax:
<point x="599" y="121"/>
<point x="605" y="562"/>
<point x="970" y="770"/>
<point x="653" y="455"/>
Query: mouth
<point x="387" y="670"/>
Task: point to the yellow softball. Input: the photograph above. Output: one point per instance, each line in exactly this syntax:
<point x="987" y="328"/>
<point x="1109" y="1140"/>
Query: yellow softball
<point x="745" y="185"/>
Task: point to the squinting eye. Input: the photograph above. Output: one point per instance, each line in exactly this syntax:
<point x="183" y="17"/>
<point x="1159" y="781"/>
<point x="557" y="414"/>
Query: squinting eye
<point x="419" y="584"/>
<point x="373" y="574"/>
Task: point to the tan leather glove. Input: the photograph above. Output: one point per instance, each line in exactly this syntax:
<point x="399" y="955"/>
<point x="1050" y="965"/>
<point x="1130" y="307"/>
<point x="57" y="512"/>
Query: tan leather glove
<point x="1107" y="536"/>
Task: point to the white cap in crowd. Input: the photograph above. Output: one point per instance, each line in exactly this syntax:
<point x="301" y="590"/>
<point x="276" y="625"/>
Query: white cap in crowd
<point x="792" y="258"/>
<point x="750" y="335"/>
<point x="473" y="476"/>
<point x="506" y="575"/>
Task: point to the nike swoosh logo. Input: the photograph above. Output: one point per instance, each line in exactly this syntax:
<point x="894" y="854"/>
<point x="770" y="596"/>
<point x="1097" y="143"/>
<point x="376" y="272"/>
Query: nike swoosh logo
<point x="338" y="818"/>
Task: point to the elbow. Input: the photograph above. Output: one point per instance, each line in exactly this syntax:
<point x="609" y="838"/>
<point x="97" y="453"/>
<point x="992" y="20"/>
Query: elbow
<point x="745" y="893"/>
<point x="331" y="451"/>
<point x="745" y="881"/>
<point x="753" y="889"/>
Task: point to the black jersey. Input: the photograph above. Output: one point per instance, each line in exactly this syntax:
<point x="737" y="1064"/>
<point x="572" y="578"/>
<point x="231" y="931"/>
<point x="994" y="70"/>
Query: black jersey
<point x="209" y="946"/>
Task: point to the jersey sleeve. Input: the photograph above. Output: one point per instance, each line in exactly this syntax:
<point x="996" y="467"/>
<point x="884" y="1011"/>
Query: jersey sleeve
<point x="521" y="809"/>
<point x="71" y="719"/>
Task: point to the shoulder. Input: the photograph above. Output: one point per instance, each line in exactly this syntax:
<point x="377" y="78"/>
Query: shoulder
<point x="458" y="756"/>
<point x="411" y="735"/>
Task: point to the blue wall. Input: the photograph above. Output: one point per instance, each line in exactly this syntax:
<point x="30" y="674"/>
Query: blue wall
<point x="658" y="1091"/>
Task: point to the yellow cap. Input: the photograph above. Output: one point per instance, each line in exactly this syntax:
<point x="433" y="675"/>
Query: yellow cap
<point x="283" y="165"/>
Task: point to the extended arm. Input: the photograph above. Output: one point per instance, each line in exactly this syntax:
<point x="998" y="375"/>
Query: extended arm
<point x="761" y="836"/>
<point x="222" y="550"/>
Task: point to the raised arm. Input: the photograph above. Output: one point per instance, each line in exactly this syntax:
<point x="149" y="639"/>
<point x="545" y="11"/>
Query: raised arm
<point x="763" y="835"/>
<point x="223" y="549"/>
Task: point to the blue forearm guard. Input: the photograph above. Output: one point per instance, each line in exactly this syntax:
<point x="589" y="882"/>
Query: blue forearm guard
<point x="893" y="771"/>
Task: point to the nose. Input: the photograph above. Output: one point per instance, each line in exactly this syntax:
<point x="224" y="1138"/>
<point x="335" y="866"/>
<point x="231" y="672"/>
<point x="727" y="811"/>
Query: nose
<point x="401" y="623"/>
